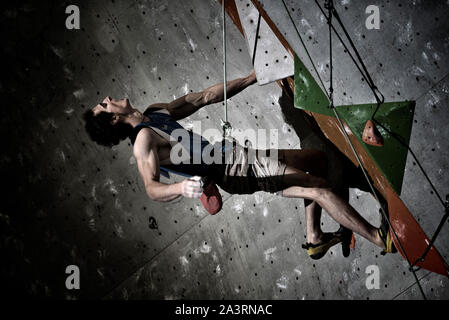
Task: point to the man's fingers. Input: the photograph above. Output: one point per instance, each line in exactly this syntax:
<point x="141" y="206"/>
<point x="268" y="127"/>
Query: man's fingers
<point x="192" y="187"/>
<point x="195" y="182"/>
<point x="193" y="193"/>
<point x="194" y="190"/>
<point x="196" y="187"/>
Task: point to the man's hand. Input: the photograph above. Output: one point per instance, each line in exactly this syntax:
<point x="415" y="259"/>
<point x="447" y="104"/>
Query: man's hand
<point x="191" y="188"/>
<point x="252" y="77"/>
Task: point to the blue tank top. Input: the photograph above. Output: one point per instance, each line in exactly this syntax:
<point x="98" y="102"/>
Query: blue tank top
<point x="167" y="124"/>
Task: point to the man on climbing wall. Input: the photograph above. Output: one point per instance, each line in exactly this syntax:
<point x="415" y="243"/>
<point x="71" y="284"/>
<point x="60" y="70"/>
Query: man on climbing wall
<point x="293" y="173"/>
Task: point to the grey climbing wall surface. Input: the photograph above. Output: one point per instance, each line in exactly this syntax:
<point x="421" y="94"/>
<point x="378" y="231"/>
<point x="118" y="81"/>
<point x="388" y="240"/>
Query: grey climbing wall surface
<point x="70" y="201"/>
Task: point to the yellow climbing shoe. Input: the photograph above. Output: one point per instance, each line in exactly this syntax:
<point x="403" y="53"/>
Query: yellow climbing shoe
<point x="385" y="235"/>
<point x="318" y="250"/>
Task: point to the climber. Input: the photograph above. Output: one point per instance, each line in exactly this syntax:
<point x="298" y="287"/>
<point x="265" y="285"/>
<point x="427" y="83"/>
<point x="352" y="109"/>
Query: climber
<point x="295" y="173"/>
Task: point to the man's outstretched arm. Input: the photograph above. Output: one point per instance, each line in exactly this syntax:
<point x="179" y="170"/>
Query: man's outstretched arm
<point x="192" y="102"/>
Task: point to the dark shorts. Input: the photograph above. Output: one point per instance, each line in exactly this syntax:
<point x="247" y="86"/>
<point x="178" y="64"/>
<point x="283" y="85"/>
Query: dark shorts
<point x="249" y="171"/>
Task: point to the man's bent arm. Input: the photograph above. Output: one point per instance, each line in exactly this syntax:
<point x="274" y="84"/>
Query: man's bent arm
<point x="147" y="158"/>
<point x="192" y="102"/>
<point x="148" y="166"/>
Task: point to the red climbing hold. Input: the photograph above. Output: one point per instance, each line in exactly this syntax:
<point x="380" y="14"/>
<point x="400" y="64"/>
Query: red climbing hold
<point x="211" y="199"/>
<point x="371" y="135"/>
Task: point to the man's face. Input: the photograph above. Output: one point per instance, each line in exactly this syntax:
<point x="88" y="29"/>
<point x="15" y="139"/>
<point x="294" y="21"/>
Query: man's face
<point x="112" y="106"/>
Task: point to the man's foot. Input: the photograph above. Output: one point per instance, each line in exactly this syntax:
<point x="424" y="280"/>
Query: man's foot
<point x="385" y="235"/>
<point x="346" y="237"/>
<point x="318" y="250"/>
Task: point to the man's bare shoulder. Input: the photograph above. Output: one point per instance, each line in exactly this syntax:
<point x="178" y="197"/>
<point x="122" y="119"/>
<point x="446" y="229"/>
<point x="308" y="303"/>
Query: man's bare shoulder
<point x="143" y="143"/>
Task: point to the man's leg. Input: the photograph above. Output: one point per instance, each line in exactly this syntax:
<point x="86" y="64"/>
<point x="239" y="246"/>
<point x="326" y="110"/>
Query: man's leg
<point x="314" y="162"/>
<point x="302" y="185"/>
<point x="299" y="184"/>
<point x="313" y="221"/>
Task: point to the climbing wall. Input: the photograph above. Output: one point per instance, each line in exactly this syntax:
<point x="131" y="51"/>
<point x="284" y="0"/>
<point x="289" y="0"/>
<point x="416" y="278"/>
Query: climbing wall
<point x="73" y="202"/>
<point x="412" y="55"/>
<point x="271" y="60"/>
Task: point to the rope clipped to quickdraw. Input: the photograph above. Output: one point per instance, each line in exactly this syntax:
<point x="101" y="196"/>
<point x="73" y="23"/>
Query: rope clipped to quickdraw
<point x="329" y="5"/>
<point x="371" y="134"/>
<point x="331" y="10"/>
<point x="225" y="124"/>
<point x="380" y="100"/>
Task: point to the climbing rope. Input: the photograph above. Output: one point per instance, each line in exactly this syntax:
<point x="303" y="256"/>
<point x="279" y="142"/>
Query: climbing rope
<point x="444" y="203"/>
<point x="330" y="7"/>
<point x="332" y="11"/>
<point x="323" y="87"/>
<point x="380" y="100"/>
<point x="365" y="74"/>
<point x="255" y="40"/>
<point x="226" y="126"/>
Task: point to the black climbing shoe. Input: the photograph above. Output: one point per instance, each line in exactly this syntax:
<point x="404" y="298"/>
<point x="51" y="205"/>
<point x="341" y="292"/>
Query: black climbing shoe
<point x="318" y="250"/>
<point x="385" y="234"/>
<point x="346" y="237"/>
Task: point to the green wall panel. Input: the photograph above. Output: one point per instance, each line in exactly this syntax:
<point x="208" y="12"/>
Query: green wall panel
<point x="397" y="117"/>
<point x="308" y="94"/>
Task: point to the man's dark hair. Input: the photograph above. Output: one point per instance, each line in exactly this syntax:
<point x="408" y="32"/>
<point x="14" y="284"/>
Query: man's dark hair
<point x="102" y="131"/>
